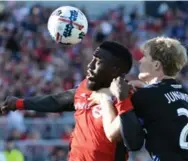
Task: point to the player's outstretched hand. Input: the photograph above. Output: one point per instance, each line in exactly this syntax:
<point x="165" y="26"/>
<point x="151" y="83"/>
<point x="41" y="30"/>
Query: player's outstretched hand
<point x="120" y="88"/>
<point x="8" y="105"/>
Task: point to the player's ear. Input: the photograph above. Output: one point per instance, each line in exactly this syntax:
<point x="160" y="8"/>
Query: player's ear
<point x="157" y="64"/>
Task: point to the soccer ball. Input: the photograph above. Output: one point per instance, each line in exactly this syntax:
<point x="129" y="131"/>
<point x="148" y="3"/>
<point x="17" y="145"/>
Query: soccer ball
<point x="67" y="25"/>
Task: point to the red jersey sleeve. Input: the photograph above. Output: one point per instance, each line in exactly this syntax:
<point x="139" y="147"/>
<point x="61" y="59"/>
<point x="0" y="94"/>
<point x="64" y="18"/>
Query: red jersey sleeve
<point x="124" y="106"/>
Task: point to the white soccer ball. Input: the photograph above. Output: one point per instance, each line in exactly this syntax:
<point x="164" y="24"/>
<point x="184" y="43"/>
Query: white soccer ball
<point x="67" y="25"/>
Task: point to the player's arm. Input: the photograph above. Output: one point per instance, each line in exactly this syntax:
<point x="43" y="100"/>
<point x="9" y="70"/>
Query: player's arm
<point x="131" y="131"/>
<point x="60" y="102"/>
<point x="125" y="125"/>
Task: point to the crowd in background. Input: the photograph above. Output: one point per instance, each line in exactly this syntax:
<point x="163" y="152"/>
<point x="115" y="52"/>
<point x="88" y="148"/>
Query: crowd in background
<point x="32" y="64"/>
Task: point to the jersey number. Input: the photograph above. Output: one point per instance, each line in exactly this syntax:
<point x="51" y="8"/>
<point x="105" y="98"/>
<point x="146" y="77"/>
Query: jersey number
<point x="184" y="132"/>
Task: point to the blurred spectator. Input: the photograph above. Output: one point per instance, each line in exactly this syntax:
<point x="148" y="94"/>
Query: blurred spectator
<point x="15" y="134"/>
<point x="11" y="153"/>
<point x="59" y="154"/>
<point x="15" y="120"/>
<point x="178" y="29"/>
<point x="34" y="135"/>
<point x="67" y="133"/>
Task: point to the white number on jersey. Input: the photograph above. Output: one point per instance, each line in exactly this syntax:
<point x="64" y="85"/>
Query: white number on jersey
<point x="184" y="132"/>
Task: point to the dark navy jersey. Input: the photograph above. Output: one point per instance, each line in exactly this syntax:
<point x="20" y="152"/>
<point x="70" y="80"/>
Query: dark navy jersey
<point x="163" y="108"/>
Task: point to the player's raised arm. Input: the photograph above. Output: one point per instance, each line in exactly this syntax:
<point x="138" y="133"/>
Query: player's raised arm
<point x="60" y="102"/>
<point x="126" y="123"/>
<point x="119" y="119"/>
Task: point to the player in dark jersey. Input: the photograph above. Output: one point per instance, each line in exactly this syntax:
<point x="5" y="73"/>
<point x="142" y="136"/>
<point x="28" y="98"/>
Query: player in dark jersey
<point x="162" y="104"/>
<point x="165" y="110"/>
<point x="89" y="142"/>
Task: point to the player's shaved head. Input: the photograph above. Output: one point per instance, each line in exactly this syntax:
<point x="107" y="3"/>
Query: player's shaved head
<point x="119" y="51"/>
<point x="110" y="60"/>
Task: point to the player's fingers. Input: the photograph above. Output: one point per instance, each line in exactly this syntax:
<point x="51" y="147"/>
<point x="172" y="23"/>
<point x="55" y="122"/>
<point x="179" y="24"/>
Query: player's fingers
<point x="115" y="79"/>
<point x="120" y="83"/>
<point x="119" y="80"/>
<point x="114" y="82"/>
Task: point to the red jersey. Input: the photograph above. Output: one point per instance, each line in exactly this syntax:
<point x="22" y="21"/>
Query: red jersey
<point x="88" y="142"/>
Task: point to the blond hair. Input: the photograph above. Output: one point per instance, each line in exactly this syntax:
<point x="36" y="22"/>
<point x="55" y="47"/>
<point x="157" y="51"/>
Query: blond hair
<point x="170" y="52"/>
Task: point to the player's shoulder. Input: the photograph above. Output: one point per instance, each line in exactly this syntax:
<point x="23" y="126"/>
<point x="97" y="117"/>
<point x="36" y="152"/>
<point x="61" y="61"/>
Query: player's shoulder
<point x="146" y="91"/>
<point x="146" y="88"/>
<point x="158" y="88"/>
<point x="150" y="87"/>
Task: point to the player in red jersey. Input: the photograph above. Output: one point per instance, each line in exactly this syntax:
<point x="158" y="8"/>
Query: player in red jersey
<point x="89" y="131"/>
<point x="118" y="123"/>
<point x="90" y="142"/>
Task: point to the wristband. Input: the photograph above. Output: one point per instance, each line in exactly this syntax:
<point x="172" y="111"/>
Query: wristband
<point x="20" y="104"/>
<point x="124" y="106"/>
